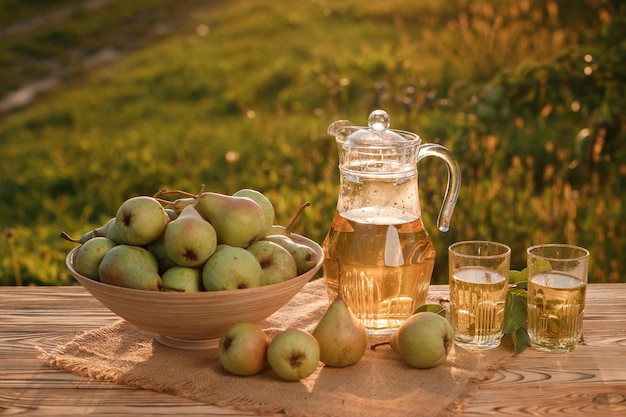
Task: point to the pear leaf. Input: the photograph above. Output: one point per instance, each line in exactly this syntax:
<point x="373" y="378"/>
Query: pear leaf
<point x="520" y="340"/>
<point x="514" y="310"/>
<point x="516" y="277"/>
<point x="434" y="308"/>
<point x="542" y="265"/>
<point x="523" y="285"/>
<point x="515" y="313"/>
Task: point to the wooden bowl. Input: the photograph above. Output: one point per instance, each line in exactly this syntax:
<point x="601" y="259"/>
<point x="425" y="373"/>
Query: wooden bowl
<point x="195" y="320"/>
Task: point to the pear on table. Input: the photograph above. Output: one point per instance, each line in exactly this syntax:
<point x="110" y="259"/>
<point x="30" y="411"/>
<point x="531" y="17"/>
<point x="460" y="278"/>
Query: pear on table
<point x="243" y="349"/>
<point x="423" y="340"/>
<point x="341" y="336"/>
<point x="293" y="354"/>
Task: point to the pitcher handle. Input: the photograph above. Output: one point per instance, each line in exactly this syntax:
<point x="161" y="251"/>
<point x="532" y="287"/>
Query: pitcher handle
<point x="454" y="181"/>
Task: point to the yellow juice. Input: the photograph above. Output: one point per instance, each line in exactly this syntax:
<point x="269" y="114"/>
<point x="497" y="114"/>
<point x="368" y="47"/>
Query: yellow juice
<point x="386" y="266"/>
<point x="478" y="297"/>
<point x="556" y="302"/>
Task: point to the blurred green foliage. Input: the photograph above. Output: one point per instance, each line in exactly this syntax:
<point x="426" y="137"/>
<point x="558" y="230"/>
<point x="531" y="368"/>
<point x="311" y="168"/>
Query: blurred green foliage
<point x="528" y="95"/>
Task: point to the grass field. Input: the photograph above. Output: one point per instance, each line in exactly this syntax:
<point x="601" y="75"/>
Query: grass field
<point x="528" y="95"/>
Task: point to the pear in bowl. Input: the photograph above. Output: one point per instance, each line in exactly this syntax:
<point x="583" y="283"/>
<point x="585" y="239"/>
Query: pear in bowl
<point x="196" y="320"/>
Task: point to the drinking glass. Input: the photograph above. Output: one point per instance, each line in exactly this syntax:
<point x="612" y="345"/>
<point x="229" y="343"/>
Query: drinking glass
<point x="479" y="278"/>
<point x="557" y="284"/>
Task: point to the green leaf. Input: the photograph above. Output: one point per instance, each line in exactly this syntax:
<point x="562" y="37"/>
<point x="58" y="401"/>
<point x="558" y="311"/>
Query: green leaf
<point x="516" y="277"/>
<point x="542" y="265"/>
<point x="520" y="340"/>
<point x="433" y="308"/>
<point x="523" y="285"/>
<point x="514" y="310"/>
<point x="520" y="291"/>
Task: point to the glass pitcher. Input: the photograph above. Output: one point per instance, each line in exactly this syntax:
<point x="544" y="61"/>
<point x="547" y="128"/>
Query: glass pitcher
<point x="377" y="240"/>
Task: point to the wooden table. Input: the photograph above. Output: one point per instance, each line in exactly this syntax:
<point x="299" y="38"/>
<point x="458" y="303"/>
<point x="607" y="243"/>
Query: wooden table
<point x="591" y="380"/>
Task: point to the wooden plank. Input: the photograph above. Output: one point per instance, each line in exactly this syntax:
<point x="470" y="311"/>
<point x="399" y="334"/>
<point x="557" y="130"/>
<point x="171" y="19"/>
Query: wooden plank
<point x="48" y="317"/>
<point x="588" y="381"/>
<point x="591" y="380"/>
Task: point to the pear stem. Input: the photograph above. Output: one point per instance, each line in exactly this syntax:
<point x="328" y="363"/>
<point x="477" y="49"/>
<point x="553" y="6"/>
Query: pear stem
<point x="165" y="193"/>
<point x="375" y="345"/>
<point x="163" y="201"/>
<point x="69" y="238"/>
<point x="295" y="218"/>
<point x="159" y="193"/>
<point x="197" y="197"/>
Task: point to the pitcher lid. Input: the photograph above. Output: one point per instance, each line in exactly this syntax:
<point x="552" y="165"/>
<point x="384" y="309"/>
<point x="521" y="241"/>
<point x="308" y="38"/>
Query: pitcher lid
<point x="376" y="134"/>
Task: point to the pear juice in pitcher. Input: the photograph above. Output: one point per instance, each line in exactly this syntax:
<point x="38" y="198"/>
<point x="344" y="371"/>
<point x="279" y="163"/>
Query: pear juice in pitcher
<point x="377" y="246"/>
<point x="386" y="261"/>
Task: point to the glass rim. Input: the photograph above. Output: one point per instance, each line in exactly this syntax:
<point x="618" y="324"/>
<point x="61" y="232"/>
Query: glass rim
<point x="582" y="253"/>
<point x="505" y="252"/>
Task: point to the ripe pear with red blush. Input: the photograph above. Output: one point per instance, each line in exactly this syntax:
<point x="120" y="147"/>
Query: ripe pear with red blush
<point x="243" y="349"/>
<point x="189" y="239"/>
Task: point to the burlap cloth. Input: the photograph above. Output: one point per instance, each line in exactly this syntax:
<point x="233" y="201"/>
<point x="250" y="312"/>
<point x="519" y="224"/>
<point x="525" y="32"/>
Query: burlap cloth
<point x="378" y="385"/>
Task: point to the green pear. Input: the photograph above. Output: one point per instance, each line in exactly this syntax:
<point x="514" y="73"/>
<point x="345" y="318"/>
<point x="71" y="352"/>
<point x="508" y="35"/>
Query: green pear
<point x="231" y="268"/>
<point x="113" y="233"/>
<point x="238" y="221"/>
<point x="182" y="279"/>
<point x="276" y="263"/>
<point x="130" y="267"/>
<point x="189" y="239"/>
<point x="141" y="220"/>
<point x="305" y="256"/>
<point x="243" y="349"/>
<point x="90" y="254"/>
<point x="265" y="204"/>
<point x="423" y="340"/>
<point x="341" y="336"/>
<point x="293" y="354"/>
<point x="98" y="232"/>
<point x="82" y="239"/>
<point x="102" y="230"/>
<point x="158" y="250"/>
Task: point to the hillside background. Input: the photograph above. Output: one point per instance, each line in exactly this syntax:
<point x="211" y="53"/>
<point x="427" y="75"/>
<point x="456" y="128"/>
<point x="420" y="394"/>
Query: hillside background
<point x="101" y="100"/>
